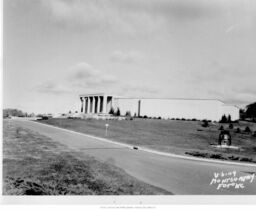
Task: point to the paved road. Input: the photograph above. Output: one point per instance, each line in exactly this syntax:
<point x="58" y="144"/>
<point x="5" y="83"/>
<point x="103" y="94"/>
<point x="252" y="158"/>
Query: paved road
<point x="179" y="176"/>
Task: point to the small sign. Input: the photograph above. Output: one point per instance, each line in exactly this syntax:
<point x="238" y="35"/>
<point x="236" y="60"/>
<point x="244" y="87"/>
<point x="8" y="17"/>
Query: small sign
<point x="106" y="132"/>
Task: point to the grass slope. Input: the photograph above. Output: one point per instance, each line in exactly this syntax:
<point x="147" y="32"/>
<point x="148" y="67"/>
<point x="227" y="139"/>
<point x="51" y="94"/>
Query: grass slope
<point x="179" y="137"/>
<point x="36" y="165"/>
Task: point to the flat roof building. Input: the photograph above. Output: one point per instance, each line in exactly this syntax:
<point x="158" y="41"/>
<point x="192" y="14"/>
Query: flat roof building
<point x="210" y="109"/>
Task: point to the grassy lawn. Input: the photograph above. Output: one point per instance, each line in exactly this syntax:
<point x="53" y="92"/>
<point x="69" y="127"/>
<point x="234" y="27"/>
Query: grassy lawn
<point x="179" y="137"/>
<point x="36" y="165"/>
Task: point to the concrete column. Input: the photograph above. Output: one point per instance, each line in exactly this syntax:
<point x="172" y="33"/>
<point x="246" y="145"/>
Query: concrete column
<point x="81" y="104"/>
<point x="93" y="105"/>
<point x="84" y="99"/>
<point x="88" y="105"/>
<point x="98" y="104"/>
<point x="104" y="104"/>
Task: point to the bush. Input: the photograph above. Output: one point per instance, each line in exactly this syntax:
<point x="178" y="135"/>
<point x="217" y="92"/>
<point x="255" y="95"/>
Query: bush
<point x="254" y="134"/>
<point x="145" y="116"/>
<point x="221" y="128"/>
<point x="128" y="114"/>
<point x="183" y="119"/>
<point x="112" y="111"/>
<point x="229" y="119"/>
<point x="231" y="126"/>
<point x="223" y="119"/>
<point x="177" y="118"/>
<point x="159" y="118"/>
<point x="216" y="156"/>
<point x="247" y="129"/>
<point x="194" y="119"/>
<point x="205" y="123"/>
<point x="245" y="159"/>
<point x="118" y="113"/>
<point x="238" y="130"/>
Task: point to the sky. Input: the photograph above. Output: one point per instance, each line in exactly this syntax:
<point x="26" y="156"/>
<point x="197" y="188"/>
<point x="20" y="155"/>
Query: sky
<point x="55" y="50"/>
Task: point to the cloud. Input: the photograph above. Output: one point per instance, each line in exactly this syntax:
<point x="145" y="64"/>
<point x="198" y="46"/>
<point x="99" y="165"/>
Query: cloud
<point x="52" y="88"/>
<point x="128" y="16"/>
<point x="85" y="75"/>
<point x="138" y="90"/>
<point x="126" y="57"/>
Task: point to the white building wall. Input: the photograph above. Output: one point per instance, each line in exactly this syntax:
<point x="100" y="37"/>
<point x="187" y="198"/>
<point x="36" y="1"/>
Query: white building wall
<point x="231" y="110"/>
<point x="177" y="108"/>
<point x="188" y="109"/>
<point x="125" y="105"/>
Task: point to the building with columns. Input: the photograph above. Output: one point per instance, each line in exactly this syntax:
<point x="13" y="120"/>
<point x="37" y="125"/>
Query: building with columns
<point x="96" y="103"/>
<point x="210" y="109"/>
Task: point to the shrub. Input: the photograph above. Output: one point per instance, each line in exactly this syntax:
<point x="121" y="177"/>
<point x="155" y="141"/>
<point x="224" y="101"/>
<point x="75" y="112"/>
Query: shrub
<point x="229" y="119"/>
<point x="245" y="159"/>
<point x="238" y="130"/>
<point x="159" y="118"/>
<point x="205" y="123"/>
<point x="216" y="156"/>
<point x="233" y="158"/>
<point x="223" y="119"/>
<point x="254" y="134"/>
<point x="194" y="119"/>
<point x="172" y="118"/>
<point x="247" y="129"/>
<point x="221" y="128"/>
<point x="118" y="113"/>
<point x="231" y="126"/>
<point x="145" y="116"/>
<point x="177" y="118"/>
<point x="183" y="119"/>
<point x="112" y="111"/>
<point x="128" y="114"/>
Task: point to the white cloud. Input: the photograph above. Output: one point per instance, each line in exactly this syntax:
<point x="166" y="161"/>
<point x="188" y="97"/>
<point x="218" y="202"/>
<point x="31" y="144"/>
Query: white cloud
<point x="126" y="57"/>
<point x="85" y="75"/>
<point x="52" y="88"/>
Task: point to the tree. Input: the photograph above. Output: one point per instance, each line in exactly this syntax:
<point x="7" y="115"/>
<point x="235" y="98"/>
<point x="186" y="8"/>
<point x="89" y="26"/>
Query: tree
<point x="229" y="119"/>
<point x="224" y="119"/>
<point x="205" y="123"/>
<point x="12" y="112"/>
<point x="128" y="114"/>
<point x="112" y="111"/>
<point x="250" y="111"/>
<point x="242" y="114"/>
<point x="118" y="113"/>
<point x="247" y="129"/>
<point x="238" y="130"/>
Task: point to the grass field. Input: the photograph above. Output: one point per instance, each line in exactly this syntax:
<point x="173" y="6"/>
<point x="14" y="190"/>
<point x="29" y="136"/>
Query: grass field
<point x="179" y="137"/>
<point x="36" y="165"/>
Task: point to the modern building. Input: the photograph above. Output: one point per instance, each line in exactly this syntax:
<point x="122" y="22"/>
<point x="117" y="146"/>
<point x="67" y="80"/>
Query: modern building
<point x="210" y="109"/>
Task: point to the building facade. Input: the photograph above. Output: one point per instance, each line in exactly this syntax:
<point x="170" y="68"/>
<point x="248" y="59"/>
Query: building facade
<point x="200" y="109"/>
